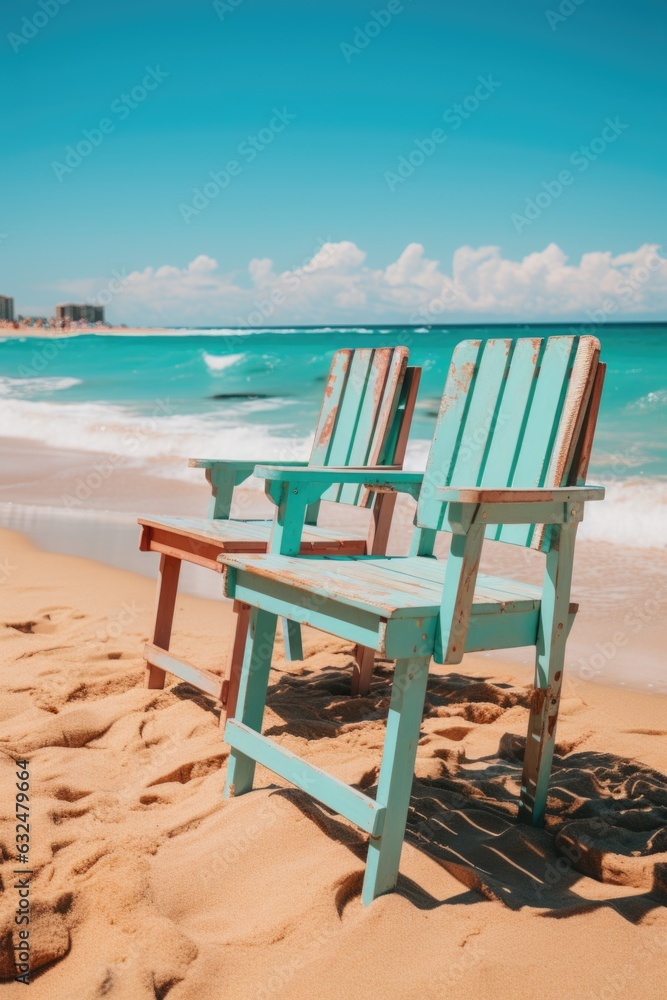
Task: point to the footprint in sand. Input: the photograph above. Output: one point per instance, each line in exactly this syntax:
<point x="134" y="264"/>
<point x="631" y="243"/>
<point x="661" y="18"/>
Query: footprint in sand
<point x="66" y="794"/>
<point x="49" y="934"/>
<point x="46" y="621"/>
<point x="190" y="770"/>
<point x="28" y="626"/>
<point x="454" y="732"/>
<point x="60" y="816"/>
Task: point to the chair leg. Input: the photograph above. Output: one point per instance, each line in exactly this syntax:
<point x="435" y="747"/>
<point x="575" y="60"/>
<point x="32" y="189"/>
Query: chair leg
<point x="167" y="587"/>
<point x="396" y="773"/>
<point x="541" y="737"/>
<point x="292" y="640"/>
<point x="362" y="672"/>
<point x="553" y="631"/>
<point x="230" y="684"/>
<point x="252" y="696"/>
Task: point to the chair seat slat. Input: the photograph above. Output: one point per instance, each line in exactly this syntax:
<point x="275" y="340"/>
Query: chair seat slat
<point x="388" y="585"/>
<point x="232" y="530"/>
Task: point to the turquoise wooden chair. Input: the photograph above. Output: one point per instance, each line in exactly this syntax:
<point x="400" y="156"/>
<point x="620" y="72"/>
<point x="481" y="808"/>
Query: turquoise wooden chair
<point x="508" y="462"/>
<point x="365" y="419"/>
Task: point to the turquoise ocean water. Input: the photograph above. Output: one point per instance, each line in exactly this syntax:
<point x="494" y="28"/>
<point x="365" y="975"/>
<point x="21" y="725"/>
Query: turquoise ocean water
<point x="256" y="393"/>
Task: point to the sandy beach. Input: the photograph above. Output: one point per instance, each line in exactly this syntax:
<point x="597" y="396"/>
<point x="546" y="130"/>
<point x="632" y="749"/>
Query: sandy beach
<point x="147" y="884"/>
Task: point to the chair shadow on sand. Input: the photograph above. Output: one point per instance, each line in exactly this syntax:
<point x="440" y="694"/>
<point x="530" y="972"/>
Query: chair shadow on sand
<point x="606" y="820"/>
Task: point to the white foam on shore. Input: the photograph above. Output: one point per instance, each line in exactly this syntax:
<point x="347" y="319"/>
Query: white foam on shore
<point x="116" y="430"/>
<point x="634" y="513"/>
<point x="26" y="387"/>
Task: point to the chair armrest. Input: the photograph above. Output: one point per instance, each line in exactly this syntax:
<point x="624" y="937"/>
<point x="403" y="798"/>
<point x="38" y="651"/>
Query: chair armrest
<point x="322" y="473"/>
<point x="466" y="511"/>
<point x="316" y="480"/>
<point x="541" y="494"/>
<point x="224" y="476"/>
<point x="465" y="506"/>
<point x="293" y="490"/>
<point x="234" y="463"/>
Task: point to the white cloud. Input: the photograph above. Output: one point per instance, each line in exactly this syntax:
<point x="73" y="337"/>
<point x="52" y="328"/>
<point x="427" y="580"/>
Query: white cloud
<point x="336" y="285"/>
<point x="341" y="257"/>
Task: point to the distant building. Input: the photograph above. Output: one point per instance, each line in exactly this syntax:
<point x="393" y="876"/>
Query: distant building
<point x="74" y="313"/>
<point x="7" y="308"/>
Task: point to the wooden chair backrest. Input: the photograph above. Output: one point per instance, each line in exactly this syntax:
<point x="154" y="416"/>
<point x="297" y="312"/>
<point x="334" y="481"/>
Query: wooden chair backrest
<point x="366" y="414"/>
<point x="516" y="413"/>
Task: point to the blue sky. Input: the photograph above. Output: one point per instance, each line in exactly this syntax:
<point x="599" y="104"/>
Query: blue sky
<point x="329" y="175"/>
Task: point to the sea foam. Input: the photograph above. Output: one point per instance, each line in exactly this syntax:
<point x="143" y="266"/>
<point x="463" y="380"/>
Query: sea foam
<point x="22" y="387"/>
<point x="111" y="429"/>
<point x="634" y="513"/>
<point x="218" y="363"/>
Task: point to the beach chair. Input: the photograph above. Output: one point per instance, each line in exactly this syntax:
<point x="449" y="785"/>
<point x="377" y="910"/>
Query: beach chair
<point x="508" y="461"/>
<point x="365" y="419"/>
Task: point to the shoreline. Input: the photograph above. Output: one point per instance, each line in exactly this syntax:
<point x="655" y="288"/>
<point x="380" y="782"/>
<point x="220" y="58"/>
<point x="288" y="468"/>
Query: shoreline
<point x="617" y="639"/>
<point x="79" y="503"/>
<point x="584" y="325"/>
